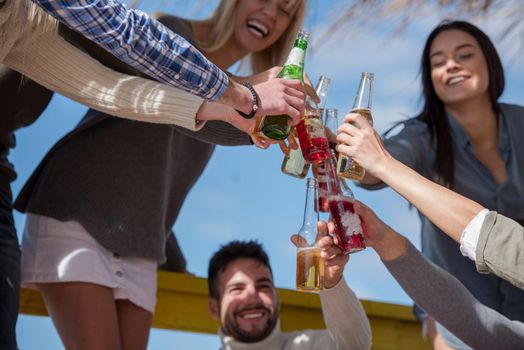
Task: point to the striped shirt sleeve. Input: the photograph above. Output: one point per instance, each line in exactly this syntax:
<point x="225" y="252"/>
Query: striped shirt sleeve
<point x="142" y="42"/>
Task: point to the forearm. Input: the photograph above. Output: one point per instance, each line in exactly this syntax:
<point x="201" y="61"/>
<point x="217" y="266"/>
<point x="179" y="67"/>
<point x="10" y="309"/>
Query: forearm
<point x="448" y="210"/>
<point x="345" y="317"/>
<point x="237" y="97"/>
<point x="451" y="304"/>
<point x="500" y="249"/>
<point x="57" y="65"/>
<point x="218" y="132"/>
<point x="142" y="42"/>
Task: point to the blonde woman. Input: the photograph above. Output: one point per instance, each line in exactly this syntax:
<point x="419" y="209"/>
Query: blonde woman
<point x="30" y="44"/>
<point x="103" y="201"/>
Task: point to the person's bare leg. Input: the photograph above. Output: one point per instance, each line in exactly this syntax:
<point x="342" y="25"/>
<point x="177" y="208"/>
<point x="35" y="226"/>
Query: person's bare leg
<point x="84" y="314"/>
<point x="134" y="323"/>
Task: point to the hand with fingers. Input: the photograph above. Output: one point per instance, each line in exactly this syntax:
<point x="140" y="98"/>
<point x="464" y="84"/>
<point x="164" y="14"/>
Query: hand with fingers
<point x="272" y="73"/>
<point x="281" y="97"/>
<point x="292" y="143"/>
<point x="218" y="111"/>
<point x="291" y="139"/>
<point x="358" y="140"/>
<point x="310" y="90"/>
<point x="334" y="259"/>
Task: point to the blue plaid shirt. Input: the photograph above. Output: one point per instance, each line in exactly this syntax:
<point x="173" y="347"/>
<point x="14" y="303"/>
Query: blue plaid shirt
<point x="142" y="42"/>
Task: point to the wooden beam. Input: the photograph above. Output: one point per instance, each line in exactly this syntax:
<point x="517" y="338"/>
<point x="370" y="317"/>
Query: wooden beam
<point x="182" y="305"/>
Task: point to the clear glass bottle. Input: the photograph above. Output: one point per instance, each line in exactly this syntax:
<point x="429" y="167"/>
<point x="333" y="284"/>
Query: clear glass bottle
<point x="346" y="167"/>
<point x="276" y="127"/>
<point x="310" y="130"/>
<point x="349" y="234"/>
<point x="294" y="163"/>
<point x="310" y="266"/>
<point x="319" y="170"/>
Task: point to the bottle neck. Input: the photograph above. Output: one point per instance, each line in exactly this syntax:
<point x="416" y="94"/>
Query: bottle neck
<point x="310" y="211"/>
<point x="363" y="97"/>
<point x="297" y="55"/>
<point x="333" y="183"/>
<point x="321" y="90"/>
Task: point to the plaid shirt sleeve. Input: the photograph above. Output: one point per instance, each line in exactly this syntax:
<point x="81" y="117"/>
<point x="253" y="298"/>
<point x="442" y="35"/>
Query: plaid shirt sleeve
<point x="142" y="42"/>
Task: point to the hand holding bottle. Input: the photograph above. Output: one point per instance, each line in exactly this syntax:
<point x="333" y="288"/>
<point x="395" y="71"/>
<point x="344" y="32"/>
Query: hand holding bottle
<point x="358" y="140"/>
<point x="281" y="96"/>
<point x="310" y="90"/>
<point x="347" y="167"/>
<point x="334" y="259"/>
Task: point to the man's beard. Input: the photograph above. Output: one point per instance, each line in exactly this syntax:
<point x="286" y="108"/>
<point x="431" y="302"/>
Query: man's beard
<point x="232" y="328"/>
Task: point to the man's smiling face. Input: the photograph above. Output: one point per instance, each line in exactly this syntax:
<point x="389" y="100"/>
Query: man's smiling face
<point x="248" y="304"/>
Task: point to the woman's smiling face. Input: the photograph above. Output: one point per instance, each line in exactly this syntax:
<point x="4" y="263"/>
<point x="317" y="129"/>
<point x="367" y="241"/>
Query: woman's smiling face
<point x="260" y="23"/>
<point x="459" y="70"/>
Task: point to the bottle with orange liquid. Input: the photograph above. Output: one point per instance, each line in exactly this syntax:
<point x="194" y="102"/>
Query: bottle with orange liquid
<point x="310" y="266"/>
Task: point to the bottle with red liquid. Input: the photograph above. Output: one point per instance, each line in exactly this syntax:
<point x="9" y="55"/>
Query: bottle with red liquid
<point x="295" y="164"/>
<point x="349" y="235"/>
<point x="319" y="170"/>
<point x="310" y="130"/>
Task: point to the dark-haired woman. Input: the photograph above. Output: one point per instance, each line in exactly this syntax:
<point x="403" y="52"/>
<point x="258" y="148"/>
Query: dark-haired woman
<point x="467" y="141"/>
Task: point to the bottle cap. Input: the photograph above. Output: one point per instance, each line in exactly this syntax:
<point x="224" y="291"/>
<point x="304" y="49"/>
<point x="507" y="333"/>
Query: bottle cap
<point x="302" y="34"/>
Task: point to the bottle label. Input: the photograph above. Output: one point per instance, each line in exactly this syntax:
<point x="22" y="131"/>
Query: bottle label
<point x="296" y="57"/>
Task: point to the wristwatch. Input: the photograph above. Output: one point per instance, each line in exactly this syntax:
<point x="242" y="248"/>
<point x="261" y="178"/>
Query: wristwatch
<point x="254" y="109"/>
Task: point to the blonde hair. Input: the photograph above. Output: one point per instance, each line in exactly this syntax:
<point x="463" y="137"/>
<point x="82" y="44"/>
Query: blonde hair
<point x="222" y="23"/>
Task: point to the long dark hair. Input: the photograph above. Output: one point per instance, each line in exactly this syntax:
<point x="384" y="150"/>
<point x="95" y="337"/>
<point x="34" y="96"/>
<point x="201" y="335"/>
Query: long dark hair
<point x="433" y="112"/>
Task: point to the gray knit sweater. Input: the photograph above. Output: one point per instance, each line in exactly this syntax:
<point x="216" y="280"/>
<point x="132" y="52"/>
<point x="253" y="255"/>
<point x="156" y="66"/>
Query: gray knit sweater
<point x="125" y="181"/>
<point x="443" y="297"/>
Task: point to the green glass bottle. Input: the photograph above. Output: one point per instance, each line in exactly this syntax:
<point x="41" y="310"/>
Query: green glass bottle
<point x="276" y="126"/>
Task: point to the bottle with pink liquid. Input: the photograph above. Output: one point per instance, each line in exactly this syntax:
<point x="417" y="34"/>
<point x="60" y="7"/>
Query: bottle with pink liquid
<point x="310" y="136"/>
<point x="349" y="235"/>
<point x="319" y="170"/>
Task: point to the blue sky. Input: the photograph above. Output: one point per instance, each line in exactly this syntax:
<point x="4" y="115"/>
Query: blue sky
<point x="242" y="193"/>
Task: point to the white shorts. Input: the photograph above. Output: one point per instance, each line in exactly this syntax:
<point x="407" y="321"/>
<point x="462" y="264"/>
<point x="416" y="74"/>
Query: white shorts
<point x="55" y="251"/>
